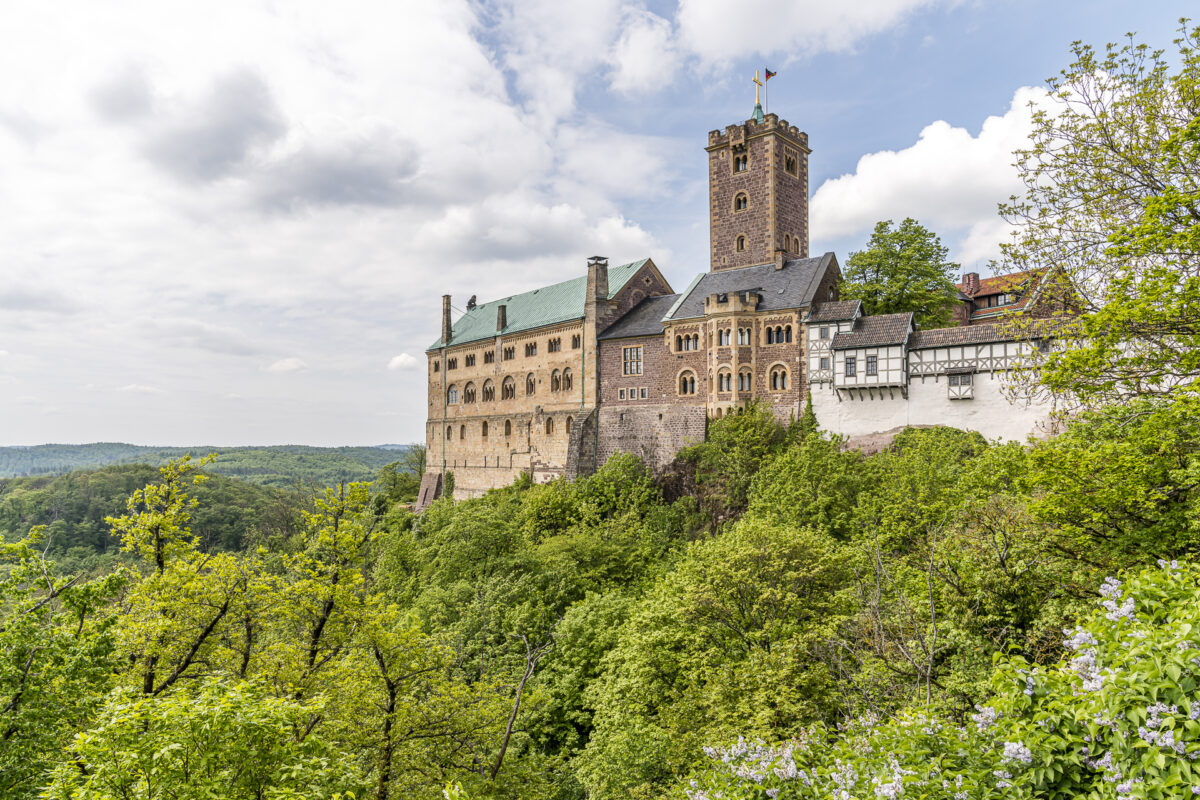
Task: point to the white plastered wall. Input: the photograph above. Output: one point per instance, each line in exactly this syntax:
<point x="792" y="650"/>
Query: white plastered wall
<point x="989" y="412"/>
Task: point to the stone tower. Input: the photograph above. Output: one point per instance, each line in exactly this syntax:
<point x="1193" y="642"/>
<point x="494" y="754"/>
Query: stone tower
<point x="758" y="192"/>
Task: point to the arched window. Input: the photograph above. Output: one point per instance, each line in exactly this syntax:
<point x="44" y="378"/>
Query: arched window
<point x="724" y="381"/>
<point x="741" y="202"/>
<point x="770" y="336"/>
<point x="469" y="393"/>
<point x="566" y="385"/>
<point x="719" y="413"/>
<point x="787" y="242"/>
<point x="449" y="432"/>
<point x="575" y="342"/>
<point x="678" y="343"/>
<point x="549" y="426"/>
<point x="462" y="431"/>
<point x="555" y="381"/>
<point x="741" y="243"/>
<point x="741" y="163"/>
<point x="745" y="381"/>
<point x="489" y="391"/>
<point x="507" y="428"/>
<point x="570" y="422"/>
<point x="695" y="341"/>
<point x="483" y="429"/>
<point x="508" y="389"/>
<point x="687" y="383"/>
<point x="779" y="379"/>
<point x="452" y="394"/>
<point x="530" y="384"/>
<point x="787" y="334"/>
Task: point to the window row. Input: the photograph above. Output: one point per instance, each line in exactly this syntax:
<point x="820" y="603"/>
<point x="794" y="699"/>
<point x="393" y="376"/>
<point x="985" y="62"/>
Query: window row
<point x="560" y="381"/>
<point x="485" y="428"/>
<point x="553" y="345"/>
<point x="779" y="334"/>
<point x="852" y="366"/>
<point x="633" y="393"/>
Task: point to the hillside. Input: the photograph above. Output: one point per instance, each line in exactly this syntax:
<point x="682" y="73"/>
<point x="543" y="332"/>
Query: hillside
<point x="280" y="465"/>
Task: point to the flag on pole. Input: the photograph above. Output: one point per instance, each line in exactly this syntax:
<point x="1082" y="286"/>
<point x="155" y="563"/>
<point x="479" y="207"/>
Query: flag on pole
<point x="771" y="74"/>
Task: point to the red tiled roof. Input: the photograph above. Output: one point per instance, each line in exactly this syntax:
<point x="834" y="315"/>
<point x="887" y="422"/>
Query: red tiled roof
<point x="1001" y="283"/>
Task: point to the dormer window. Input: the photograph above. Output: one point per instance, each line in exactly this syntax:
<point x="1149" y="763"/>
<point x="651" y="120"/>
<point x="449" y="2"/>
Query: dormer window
<point x="741" y="202"/>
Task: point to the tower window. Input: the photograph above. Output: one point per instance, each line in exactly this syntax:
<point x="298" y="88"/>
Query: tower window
<point x="741" y="202"/>
<point x="791" y="164"/>
<point x="687" y="383"/>
<point x="741" y="163"/>
<point x="437" y="366"/>
<point x="741" y="243"/>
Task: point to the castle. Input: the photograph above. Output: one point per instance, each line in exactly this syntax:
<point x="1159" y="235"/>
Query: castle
<point x="553" y="381"/>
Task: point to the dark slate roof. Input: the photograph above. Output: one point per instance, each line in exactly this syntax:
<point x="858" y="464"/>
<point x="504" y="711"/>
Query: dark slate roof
<point x="836" y="311"/>
<point x="877" y="331"/>
<point x="644" y="319"/>
<point x="790" y="287"/>
<point x="950" y="337"/>
<point x="549" y="305"/>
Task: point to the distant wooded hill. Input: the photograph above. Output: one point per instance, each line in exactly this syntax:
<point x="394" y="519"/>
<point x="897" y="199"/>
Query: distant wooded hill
<point x="282" y="466"/>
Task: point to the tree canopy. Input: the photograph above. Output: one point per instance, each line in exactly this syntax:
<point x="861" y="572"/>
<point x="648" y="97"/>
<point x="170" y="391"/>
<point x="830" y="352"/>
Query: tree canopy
<point x="903" y="269"/>
<point x="1112" y="207"/>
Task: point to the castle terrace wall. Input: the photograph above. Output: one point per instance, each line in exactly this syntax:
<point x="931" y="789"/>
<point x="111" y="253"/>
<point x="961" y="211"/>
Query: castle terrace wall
<point x="989" y="412"/>
<point x="652" y="432"/>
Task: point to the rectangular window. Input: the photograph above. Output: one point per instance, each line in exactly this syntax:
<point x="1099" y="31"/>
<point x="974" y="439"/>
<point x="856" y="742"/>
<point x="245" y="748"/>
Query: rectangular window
<point x="824" y="332"/>
<point x="643" y="392"/>
<point x="851" y="367"/>
<point x="872" y="365"/>
<point x="632" y="361"/>
<point x="620" y="394"/>
<point x="824" y="362"/>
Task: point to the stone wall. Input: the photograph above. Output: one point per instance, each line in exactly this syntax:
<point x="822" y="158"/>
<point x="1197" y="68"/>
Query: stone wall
<point x="653" y="432"/>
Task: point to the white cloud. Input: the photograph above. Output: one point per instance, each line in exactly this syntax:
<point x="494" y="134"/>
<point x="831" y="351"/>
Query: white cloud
<point x="717" y="33"/>
<point x="138" y="388"/>
<point x="949" y="180"/>
<point x="403" y="361"/>
<point x="645" y="56"/>
<point x="3" y="353"/>
<point x="292" y="364"/>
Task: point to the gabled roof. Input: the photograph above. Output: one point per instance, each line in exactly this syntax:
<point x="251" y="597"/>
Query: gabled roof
<point x="549" y="305"/>
<point x="644" y="319"/>
<point x="878" y="331"/>
<point x="836" y="311"/>
<point x="790" y="287"/>
<point x="963" y="334"/>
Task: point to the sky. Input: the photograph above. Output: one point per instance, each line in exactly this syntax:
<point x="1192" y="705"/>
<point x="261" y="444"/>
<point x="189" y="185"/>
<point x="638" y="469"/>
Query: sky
<point x="229" y="223"/>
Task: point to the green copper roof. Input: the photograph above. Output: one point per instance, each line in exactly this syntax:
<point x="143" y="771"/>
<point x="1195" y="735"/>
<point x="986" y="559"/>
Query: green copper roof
<point x="549" y="305"/>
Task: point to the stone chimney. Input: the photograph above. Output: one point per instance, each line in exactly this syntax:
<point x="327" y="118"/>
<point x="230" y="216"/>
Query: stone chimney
<point x="501" y="317"/>
<point x="597" y="278"/>
<point x="780" y="258"/>
<point x="447" y="326"/>
<point x="971" y="283"/>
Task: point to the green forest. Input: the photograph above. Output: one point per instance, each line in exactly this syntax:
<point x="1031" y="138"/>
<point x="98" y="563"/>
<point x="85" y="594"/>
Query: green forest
<point x="282" y="466"/>
<point x="775" y="616"/>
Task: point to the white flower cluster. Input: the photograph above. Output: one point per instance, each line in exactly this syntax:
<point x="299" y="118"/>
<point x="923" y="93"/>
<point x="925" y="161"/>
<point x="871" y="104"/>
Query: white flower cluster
<point x="891" y="785"/>
<point x="755" y="761"/>
<point x="1170" y="566"/>
<point x="1152" y="732"/>
<point x="844" y="777"/>
<point x="1111" y="590"/>
<point x="1084" y="665"/>
<point x="1016" y="751"/>
<point x="986" y="717"/>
